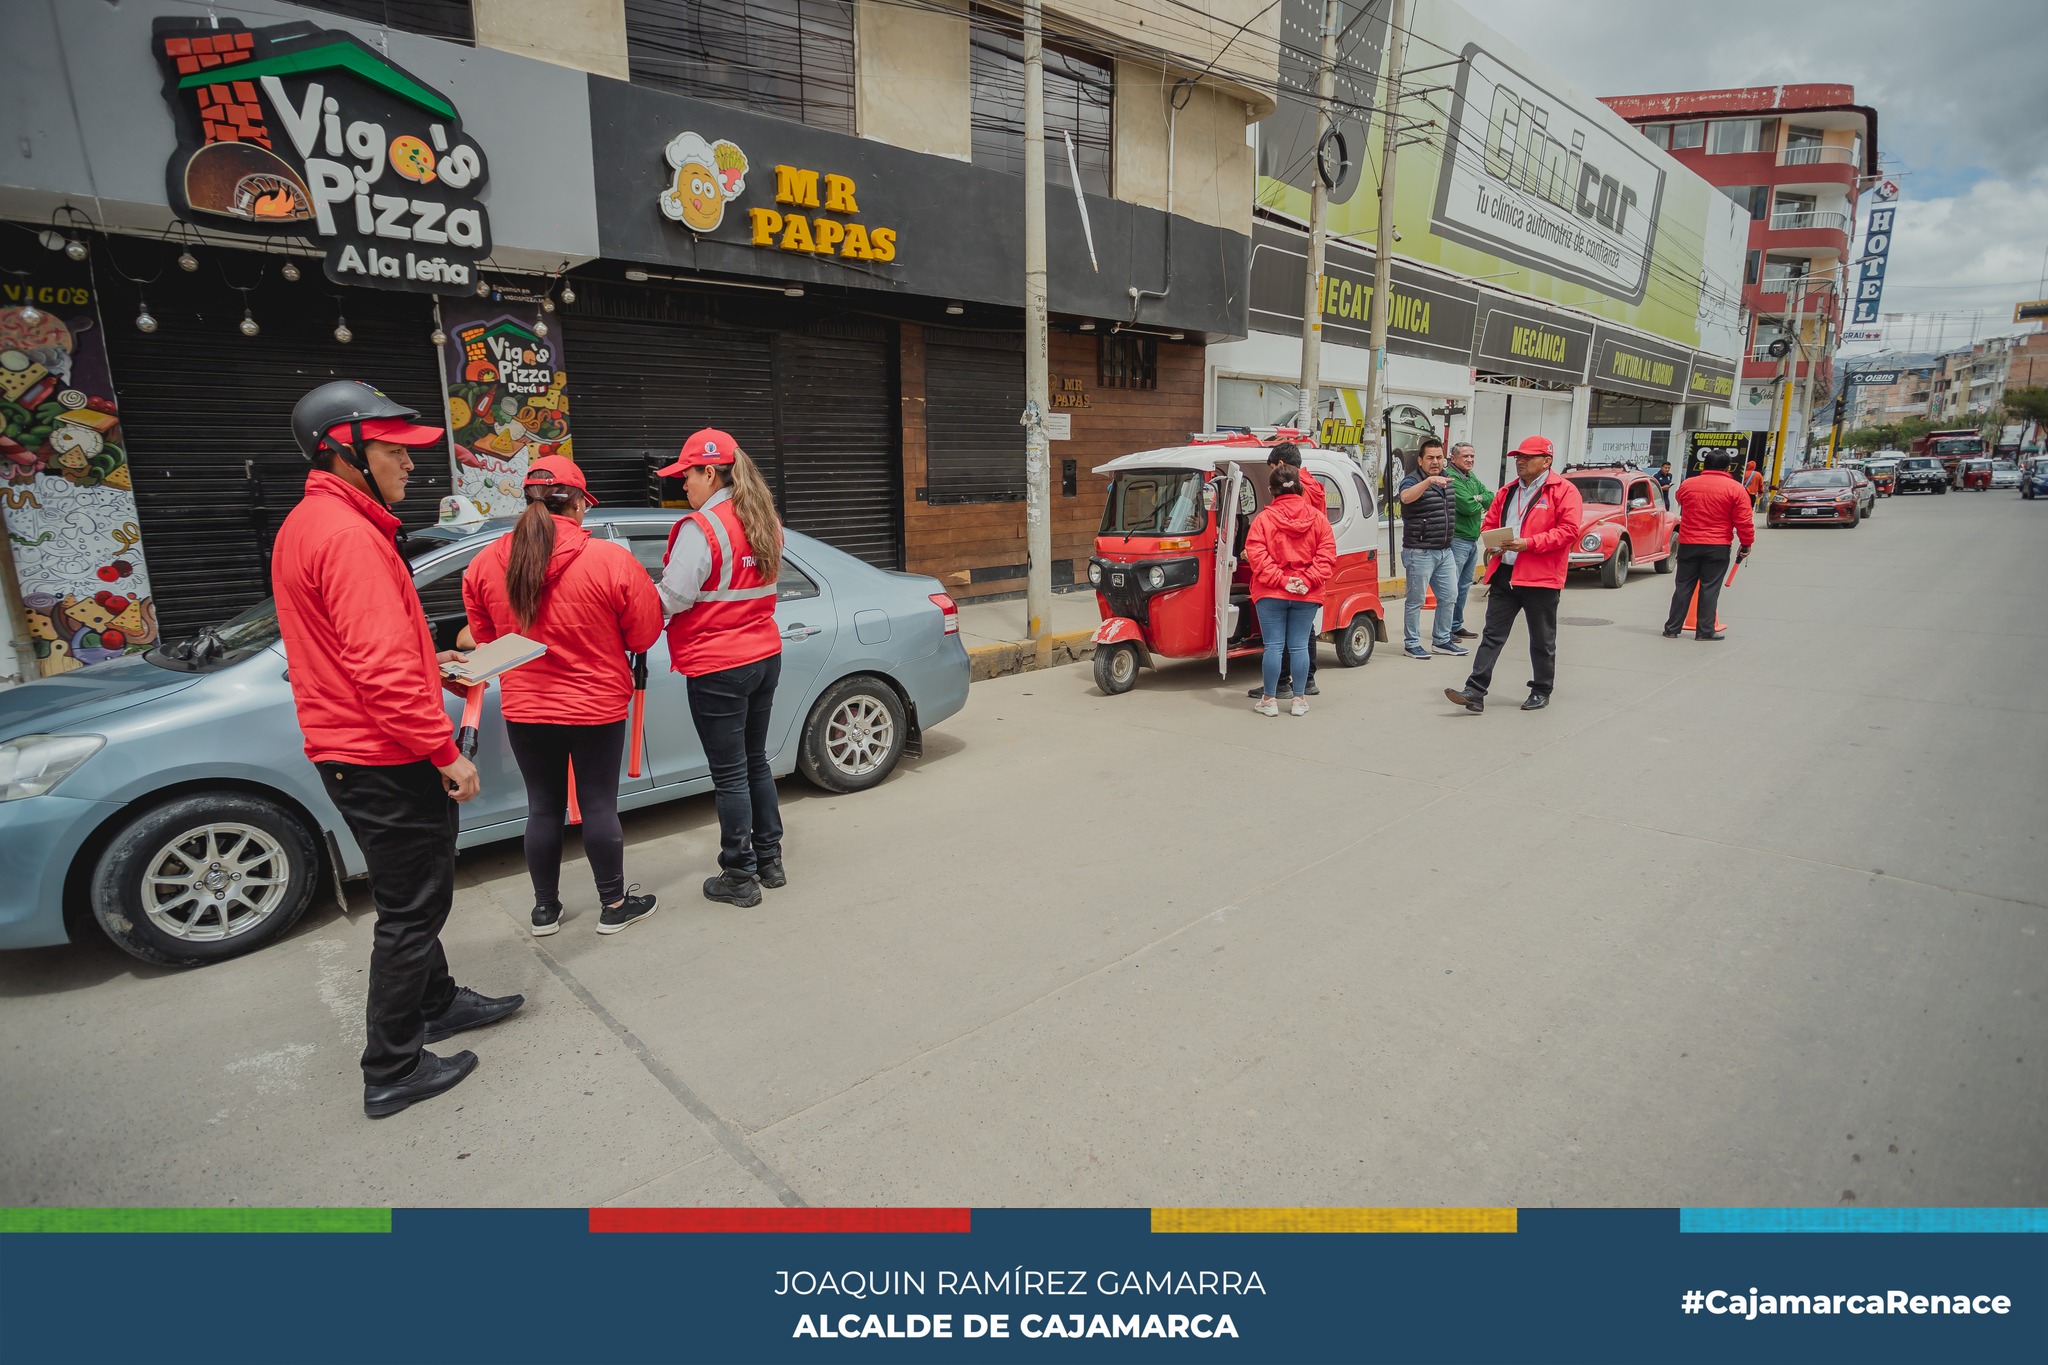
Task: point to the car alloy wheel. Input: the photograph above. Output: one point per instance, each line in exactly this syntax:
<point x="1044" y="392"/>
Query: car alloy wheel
<point x="859" y="735"/>
<point x="855" y="733"/>
<point x="216" y="882"/>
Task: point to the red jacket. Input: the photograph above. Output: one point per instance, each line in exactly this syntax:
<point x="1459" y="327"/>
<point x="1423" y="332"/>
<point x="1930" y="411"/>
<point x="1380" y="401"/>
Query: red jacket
<point x="1713" y="509"/>
<point x="1550" y="525"/>
<point x="597" y="606"/>
<point x="1291" y="538"/>
<point x="732" y="622"/>
<point x="362" y="666"/>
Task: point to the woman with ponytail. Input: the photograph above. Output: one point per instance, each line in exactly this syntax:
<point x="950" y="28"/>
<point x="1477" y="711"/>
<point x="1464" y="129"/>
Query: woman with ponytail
<point x="719" y="585"/>
<point x="591" y="604"/>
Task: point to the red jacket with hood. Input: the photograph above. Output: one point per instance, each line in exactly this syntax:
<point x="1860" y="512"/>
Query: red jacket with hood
<point x="596" y="607"/>
<point x="360" y="655"/>
<point x="1291" y="538"/>
<point x="1550" y="524"/>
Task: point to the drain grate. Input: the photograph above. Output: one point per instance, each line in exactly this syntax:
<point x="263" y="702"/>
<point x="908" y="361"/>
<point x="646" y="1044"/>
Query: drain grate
<point x="1584" y="621"/>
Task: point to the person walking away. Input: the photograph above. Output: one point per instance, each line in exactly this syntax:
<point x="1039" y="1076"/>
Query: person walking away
<point x="1292" y="552"/>
<point x="365" y="680"/>
<point x="1473" y="497"/>
<point x="1752" y="484"/>
<point x="591" y="604"/>
<point x="1313" y="492"/>
<point x="1429" y="510"/>
<point x="718" y="583"/>
<point x="1713" y="511"/>
<point x="1545" y="512"/>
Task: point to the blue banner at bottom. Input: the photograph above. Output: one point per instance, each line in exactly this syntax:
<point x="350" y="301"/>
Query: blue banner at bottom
<point x="1024" y="1285"/>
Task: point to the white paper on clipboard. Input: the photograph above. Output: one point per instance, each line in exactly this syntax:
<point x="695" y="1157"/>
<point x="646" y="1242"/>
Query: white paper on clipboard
<point x="501" y="655"/>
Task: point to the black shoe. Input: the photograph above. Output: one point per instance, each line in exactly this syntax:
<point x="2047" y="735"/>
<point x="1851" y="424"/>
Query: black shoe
<point x="635" y="906"/>
<point x="772" y="875"/>
<point x="469" y="1010"/>
<point x="1462" y="634"/>
<point x="1311" y="690"/>
<point x="1465" y="699"/>
<point x="1670" y="634"/>
<point x="547" y="918"/>
<point x="733" y="889"/>
<point x="431" y="1077"/>
<point x="1537" y="701"/>
<point x="1286" y="691"/>
<point x="1710" y="635"/>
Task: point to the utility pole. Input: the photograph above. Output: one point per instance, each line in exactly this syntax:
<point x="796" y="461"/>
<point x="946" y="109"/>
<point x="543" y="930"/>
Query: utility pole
<point x="1318" y="212"/>
<point x="1037" y="379"/>
<point x="1384" y="236"/>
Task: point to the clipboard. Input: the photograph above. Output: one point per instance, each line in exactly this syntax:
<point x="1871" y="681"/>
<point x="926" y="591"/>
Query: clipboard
<point x="501" y="655"/>
<point x="1496" y="540"/>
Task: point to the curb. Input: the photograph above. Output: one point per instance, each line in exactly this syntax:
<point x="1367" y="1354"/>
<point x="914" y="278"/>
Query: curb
<point x="1011" y="657"/>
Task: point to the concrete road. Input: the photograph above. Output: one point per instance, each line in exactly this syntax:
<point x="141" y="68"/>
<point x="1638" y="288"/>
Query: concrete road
<point x="1756" y="922"/>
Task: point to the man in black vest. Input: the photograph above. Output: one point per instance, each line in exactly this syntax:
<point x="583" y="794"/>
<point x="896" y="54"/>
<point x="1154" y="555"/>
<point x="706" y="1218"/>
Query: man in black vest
<point x="1429" y="510"/>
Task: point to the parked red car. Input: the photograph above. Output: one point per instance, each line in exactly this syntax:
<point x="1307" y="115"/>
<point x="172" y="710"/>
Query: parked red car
<point x="1629" y="521"/>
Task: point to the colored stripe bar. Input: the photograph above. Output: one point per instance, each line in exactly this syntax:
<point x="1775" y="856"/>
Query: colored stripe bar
<point x="781" y="1220"/>
<point x="195" y="1220"/>
<point x="1863" y="1220"/>
<point x="1333" y="1220"/>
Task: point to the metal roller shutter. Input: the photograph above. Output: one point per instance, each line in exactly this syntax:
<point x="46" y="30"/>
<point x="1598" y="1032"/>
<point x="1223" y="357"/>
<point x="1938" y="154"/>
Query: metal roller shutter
<point x="842" y="475"/>
<point x="207" y="411"/>
<point x="974" y="391"/>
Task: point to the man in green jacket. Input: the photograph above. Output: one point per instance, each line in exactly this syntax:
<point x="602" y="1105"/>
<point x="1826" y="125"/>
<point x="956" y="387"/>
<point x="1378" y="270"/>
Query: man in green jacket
<point x="1472" y="499"/>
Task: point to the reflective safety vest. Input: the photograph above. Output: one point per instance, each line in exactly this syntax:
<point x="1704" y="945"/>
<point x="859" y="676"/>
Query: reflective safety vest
<point x="732" y="623"/>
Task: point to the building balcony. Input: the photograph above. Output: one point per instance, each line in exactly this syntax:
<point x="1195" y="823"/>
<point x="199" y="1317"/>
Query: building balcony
<point x="1815" y="156"/>
<point x="1810" y="220"/>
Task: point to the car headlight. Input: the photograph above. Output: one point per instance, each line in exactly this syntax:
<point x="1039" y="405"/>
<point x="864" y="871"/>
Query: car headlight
<point x="1155" y="578"/>
<point x="1591" y="542"/>
<point x="32" y="764"/>
<point x="1095" y="573"/>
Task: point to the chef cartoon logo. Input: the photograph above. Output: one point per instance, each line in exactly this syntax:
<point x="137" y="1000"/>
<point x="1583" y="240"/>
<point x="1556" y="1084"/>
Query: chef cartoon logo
<point x="708" y="176"/>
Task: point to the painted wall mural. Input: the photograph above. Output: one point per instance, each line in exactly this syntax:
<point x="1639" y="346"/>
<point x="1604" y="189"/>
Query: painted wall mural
<point x="69" y="500"/>
<point x="508" y="399"/>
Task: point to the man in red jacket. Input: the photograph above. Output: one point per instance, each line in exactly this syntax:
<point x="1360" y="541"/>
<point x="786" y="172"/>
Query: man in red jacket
<point x="1713" y="510"/>
<point x="1527" y="577"/>
<point x="366" y="681"/>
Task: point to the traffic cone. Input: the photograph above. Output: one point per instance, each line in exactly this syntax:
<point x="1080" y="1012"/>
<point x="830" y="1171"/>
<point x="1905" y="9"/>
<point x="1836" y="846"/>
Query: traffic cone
<point x="1428" y="599"/>
<point x="1692" y="614"/>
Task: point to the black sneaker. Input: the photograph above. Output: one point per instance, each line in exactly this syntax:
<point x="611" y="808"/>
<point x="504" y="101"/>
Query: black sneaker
<point x="1463" y="634"/>
<point x="547" y="918"/>
<point x="772" y="875"/>
<point x="469" y="1010"/>
<point x="1311" y="690"/>
<point x="733" y="889"/>
<point x="1286" y="690"/>
<point x="634" y="907"/>
<point x="432" y="1076"/>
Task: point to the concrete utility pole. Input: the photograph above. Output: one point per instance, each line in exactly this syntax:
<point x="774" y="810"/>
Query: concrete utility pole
<point x="1318" y="212"/>
<point x="1383" y="238"/>
<point x="1037" y="366"/>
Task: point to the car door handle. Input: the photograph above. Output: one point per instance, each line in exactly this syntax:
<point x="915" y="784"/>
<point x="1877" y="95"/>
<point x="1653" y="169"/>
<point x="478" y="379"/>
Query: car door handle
<point x="800" y="631"/>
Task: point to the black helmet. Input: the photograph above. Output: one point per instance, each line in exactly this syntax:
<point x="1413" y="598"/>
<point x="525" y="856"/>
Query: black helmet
<point x="331" y="405"/>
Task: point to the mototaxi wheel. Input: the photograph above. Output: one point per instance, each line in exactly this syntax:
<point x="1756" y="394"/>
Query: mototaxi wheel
<point x="1116" y="668"/>
<point x="1355" y="642"/>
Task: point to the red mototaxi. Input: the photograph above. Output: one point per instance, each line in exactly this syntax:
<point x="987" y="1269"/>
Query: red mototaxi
<point x="1169" y="572"/>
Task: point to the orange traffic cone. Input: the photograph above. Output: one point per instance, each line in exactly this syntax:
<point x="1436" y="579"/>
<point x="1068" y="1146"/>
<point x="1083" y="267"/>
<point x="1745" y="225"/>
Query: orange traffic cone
<point x="1692" y="614"/>
<point x="1428" y="598"/>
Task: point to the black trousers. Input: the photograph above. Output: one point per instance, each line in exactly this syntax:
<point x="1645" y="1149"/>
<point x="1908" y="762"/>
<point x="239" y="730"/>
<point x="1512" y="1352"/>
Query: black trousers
<point x="730" y="709"/>
<point x="1503" y="603"/>
<point x="1704" y="567"/>
<point x="404" y="821"/>
<point x="544" y="753"/>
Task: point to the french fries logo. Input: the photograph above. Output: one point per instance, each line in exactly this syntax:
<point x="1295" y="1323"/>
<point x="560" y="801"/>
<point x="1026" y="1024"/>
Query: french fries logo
<point x="708" y="176"/>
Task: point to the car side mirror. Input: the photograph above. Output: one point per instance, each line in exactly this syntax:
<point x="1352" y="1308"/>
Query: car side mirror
<point x="1637" y="504"/>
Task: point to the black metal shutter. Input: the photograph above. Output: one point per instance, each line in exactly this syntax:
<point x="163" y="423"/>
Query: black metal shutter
<point x="974" y="394"/>
<point x="842" y="477"/>
<point x="207" y="411"/>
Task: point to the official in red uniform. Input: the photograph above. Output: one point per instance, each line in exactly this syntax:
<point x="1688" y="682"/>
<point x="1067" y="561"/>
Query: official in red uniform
<point x="1713" y="511"/>
<point x="719" y="584"/>
<point x="367" y="684"/>
<point x="591" y="604"/>
<point x="1527" y="577"/>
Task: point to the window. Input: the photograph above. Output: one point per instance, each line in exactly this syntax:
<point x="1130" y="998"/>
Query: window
<point x="1749" y="266"/>
<point x="793" y="584"/>
<point x="1684" y="135"/>
<point x="1078" y="90"/>
<point x="1125" y="360"/>
<point x="1333" y="498"/>
<point x="1795" y="136"/>
<point x="1155" y="503"/>
<point x="1659" y="133"/>
<point x="789" y="58"/>
<point x="1745" y="135"/>
<point x="1754" y="198"/>
<point x="434" y="18"/>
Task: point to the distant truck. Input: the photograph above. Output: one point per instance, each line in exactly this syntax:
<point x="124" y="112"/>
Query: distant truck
<point x="1952" y="447"/>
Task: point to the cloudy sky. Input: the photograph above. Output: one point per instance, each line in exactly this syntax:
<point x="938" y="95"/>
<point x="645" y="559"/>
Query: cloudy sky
<point x="1962" y="117"/>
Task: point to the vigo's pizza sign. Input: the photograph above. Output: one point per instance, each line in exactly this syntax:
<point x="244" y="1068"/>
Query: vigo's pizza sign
<point x="301" y="131"/>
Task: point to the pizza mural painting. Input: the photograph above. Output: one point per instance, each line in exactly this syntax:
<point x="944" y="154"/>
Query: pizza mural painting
<point x="508" y="400"/>
<point x="64" y="478"/>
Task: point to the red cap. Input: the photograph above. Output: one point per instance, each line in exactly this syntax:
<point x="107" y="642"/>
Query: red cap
<point x="709" y="446"/>
<point x="394" y="429"/>
<point x="1535" y="445"/>
<point x="557" y="471"/>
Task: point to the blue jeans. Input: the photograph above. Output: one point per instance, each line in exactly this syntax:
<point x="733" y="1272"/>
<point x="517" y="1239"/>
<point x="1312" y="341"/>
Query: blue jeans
<point x="1428" y="569"/>
<point x="1464" y="553"/>
<point x="1284" y="624"/>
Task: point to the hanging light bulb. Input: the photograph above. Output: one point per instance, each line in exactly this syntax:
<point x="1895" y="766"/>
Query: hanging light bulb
<point x="52" y="239"/>
<point x="290" y="271"/>
<point x="483" y="289"/>
<point x="76" y="249"/>
<point x="547" y="305"/>
<point x="568" y="292"/>
<point x="438" y="337"/>
<point x="187" y="262"/>
<point x="341" y="332"/>
<point x="540" y="327"/>
<point x="31" y="315"/>
<point x="248" y="324"/>
<point x="144" y="320"/>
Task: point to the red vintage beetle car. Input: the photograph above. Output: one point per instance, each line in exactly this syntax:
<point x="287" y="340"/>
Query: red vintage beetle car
<point x="1629" y="521"/>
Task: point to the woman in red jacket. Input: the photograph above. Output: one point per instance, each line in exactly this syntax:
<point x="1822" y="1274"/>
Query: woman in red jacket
<point x="591" y="604"/>
<point x="1292" y="553"/>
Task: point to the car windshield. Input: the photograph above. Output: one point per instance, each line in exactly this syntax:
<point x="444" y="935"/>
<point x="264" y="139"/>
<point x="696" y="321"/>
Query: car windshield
<point x="1818" y="478"/>
<point x="1958" y="445"/>
<point x="1918" y="464"/>
<point x="1148" y="502"/>
<point x="1600" y="490"/>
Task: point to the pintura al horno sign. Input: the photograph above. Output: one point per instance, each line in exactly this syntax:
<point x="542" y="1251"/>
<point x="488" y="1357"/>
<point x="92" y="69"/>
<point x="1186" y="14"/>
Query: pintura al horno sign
<point x="303" y="132"/>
